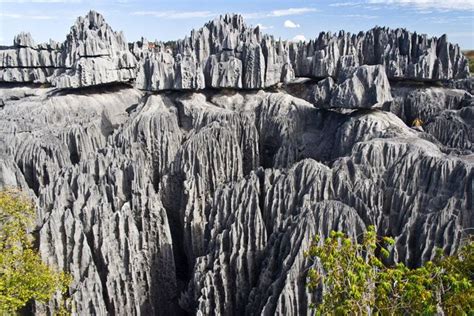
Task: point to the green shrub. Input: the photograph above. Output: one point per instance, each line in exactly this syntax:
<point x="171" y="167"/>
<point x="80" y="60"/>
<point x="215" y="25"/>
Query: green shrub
<point x="23" y="275"/>
<point x="355" y="280"/>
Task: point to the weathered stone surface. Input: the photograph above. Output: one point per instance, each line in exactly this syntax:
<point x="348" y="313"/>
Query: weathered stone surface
<point x="93" y="54"/>
<point x="205" y="202"/>
<point x="28" y="62"/>
<point x="367" y="86"/>
<point x="405" y="55"/>
<point x="224" y="53"/>
<point x="361" y="87"/>
<point x="446" y="113"/>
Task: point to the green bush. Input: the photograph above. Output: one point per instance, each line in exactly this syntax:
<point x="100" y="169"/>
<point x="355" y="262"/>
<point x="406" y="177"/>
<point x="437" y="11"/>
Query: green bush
<point x="23" y="275"/>
<point x="355" y="280"/>
<point x="470" y="56"/>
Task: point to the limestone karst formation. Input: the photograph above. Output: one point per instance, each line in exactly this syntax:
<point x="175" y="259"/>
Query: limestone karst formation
<point x="188" y="177"/>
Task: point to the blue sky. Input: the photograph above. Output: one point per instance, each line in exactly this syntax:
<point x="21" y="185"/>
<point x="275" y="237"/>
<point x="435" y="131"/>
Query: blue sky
<point x="173" y="19"/>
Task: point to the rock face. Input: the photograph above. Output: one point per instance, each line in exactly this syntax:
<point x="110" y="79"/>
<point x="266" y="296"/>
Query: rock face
<point x="225" y="53"/>
<point x="203" y="202"/>
<point x="28" y="62"/>
<point x="92" y="54"/>
<point x="446" y="113"/>
<point x="361" y="87"/>
<point x="404" y="54"/>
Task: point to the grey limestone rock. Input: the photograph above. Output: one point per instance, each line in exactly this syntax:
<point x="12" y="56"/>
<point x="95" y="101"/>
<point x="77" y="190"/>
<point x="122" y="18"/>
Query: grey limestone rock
<point x="445" y="113"/>
<point x="203" y="202"/>
<point x="405" y="55"/>
<point x="28" y="62"/>
<point x="361" y="87"/>
<point x="224" y="53"/>
<point x="93" y="54"/>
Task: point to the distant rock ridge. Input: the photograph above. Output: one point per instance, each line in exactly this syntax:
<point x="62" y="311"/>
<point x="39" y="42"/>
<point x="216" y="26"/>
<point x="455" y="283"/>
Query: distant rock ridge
<point x="93" y="54"/>
<point x="405" y="55"/>
<point x="224" y="53"/>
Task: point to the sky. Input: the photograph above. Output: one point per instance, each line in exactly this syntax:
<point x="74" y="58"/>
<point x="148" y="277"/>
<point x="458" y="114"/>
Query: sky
<point x="291" y="19"/>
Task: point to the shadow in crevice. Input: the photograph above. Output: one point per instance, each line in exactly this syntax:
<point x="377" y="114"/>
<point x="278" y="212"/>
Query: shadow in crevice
<point x="172" y="198"/>
<point x="164" y="290"/>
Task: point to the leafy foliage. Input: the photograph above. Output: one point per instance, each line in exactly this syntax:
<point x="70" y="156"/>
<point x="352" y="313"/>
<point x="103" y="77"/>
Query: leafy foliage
<point x="470" y="56"/>
<point x="355" y="279"/>
<point x="23" y="275"/>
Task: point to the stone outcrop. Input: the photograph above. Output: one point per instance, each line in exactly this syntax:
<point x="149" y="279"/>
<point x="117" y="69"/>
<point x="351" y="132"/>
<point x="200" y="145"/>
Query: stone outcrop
<point x="203" y="202"/>
<point x="93" y="54"/>
<point x="159" y="204"/>
<point x="361" y="87"/>
<point x="27" y="62"/>
<point x="405" y="55"/>
<point x="225" y="53"/>
<point x="446" y="113"/>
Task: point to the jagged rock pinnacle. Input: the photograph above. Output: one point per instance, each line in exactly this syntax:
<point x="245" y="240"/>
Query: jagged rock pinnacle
<point x="225" y="53"/>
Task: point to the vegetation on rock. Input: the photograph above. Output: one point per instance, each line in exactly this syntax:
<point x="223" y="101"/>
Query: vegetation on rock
<point x="23" y="275"/>
<point x="354" y="278"/>
<point x="470" y="55"/>
<point x="471" y="61"/>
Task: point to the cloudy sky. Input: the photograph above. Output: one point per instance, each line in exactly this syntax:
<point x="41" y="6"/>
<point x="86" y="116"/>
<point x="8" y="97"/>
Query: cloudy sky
<point x="304" y="19"/>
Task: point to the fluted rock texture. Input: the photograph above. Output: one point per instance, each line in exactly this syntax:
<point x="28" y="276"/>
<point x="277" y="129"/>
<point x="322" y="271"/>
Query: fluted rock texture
<point x="92" y="54"/>
<point x="203" y="202"/>
<point x="225" y="53"/>
<point x="404" y="54"/>
<point x="361" y="87"/>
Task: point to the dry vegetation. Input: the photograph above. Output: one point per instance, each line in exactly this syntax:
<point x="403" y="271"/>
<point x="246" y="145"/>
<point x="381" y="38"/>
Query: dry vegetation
<point x="470" y="54"/>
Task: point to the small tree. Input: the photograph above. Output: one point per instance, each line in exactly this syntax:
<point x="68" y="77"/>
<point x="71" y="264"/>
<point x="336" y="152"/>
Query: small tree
<point x="23" y="275"/>
<point x="354" y="279"/>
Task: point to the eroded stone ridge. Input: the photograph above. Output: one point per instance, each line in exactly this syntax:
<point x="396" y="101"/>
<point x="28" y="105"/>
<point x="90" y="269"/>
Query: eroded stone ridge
<point x="405" y="55"/>
<point x="225" y="53"/>
<point x="206" y="202"/>
<point x="93" y="54"/>
<point x="360" y="87"/>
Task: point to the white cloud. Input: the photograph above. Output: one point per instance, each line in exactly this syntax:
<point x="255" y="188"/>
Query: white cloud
<point x="176" y="14"/>
<point x="40" y="1"/>
<point x="292" y="11"/>
<point x="279" y="13"/>
<point x="299" y="38"/>
<point x="345" y="4"/>
<point x="430" y="4"/>
<point x="359" y="16"/>
<point x="290" y="24"/>
<point x="264" y="27"/>
<point x="25" y="16"/>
